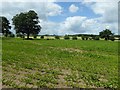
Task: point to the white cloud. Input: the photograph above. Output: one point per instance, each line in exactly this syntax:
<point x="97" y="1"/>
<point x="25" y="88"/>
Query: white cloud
<point x="53" y="9"/>
<point x="49" y="27"/>
<point x="108" y="9"/>
<point x="42" y="8"/>
<point x="69" y="26"/>
<point x="83" y="25"/>
<point x="73" y="8"/>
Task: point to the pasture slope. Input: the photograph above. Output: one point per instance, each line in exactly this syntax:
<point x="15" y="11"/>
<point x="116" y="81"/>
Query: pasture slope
<point x="59" y="63"/>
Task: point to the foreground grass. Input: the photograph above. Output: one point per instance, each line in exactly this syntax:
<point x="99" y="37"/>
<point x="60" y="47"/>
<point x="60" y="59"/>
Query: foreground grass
<point x="59" y="63"/>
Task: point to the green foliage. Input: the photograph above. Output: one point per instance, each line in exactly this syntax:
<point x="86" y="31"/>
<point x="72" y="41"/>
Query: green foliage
<point x="86" y="37"/>
<point x="105" y="34"/>
<point x="42" y="37"/>
<point x="66" y="37"/>
<point x="74" y="37"/>
<point x="5" y="26"/>
<point x="83" y="37"/>
<point x="29" y="23"/>
<point x="20" y="35"/>
<point x="12" y="35"/>
<point x="35" y="36"/>
<point x="112" y="38"/>
<point x="57" y="37"/>
<point x="96" y="38"/>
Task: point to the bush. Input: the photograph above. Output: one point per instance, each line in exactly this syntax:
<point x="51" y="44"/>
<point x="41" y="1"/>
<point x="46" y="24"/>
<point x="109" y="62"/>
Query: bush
<point x="42" y="37"/>
<point x="74" y="37"/>
<point x="20" y="35"/>
<point x="83" y="37"/>
<point x="28" y="39"/>
<point x="35" y="36"/>
<point x="96" y="38"/>
<point x="12" y="35"/>
<point x="57" y="37"/>
<point x="48" y="39"/>
<point x="66" y="37"/>
<point x="86" y="37"/>
<point x="112" y="38"/>
<point x="93" y="37"/>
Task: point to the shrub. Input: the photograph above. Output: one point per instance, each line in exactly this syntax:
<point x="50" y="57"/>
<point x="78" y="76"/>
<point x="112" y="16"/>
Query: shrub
<point x="112" y="38"/>
<point x="48" y="39"/>
<point x="12" y="35"/>
<point x="20" y="35"/>
<point x="57" y="37"/>
<point x="42" y="37"/>
<point x="27" y="38"/>
<point x="86" y="37"/>
<point x="93" y="37"/>
<point x="83" y="37"/>
<point x="66" y="37"/>
<point x="96" y="38"/>
<point x="74" y="37"/>
<point x="35" y="36"/>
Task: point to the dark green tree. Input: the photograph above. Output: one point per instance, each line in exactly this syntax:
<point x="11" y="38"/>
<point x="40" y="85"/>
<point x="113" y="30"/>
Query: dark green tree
<point x="66" y="37"/>
<point x="42" y="37"/>
<point x="74" y="37"/>
<point x="105" y="34"/>
<point x="27" y="23"/>
<point x="57" y="37"/>
<point x="5" y="26"/>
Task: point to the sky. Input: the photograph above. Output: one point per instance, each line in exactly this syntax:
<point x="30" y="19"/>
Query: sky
<point x="63" y="17"/>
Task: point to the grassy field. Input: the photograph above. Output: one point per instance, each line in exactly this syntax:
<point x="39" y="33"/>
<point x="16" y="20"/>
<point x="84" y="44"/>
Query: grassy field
<point x="59" y="63"/>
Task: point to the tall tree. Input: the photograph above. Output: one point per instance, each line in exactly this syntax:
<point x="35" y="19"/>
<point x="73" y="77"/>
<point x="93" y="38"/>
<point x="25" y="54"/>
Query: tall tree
<point x="105" y="34"/>
<point x="5" y="26"/>
<point x="27" y="23"/>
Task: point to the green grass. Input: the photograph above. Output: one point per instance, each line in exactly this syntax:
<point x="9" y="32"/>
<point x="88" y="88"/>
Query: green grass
<point x="59" y="63"/>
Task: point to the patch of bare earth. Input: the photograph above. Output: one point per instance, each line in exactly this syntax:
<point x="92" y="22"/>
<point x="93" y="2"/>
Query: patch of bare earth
<point x="61" y="79"/>
<point x="69" y="49"/>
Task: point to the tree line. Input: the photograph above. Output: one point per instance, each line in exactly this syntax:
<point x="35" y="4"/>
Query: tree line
<point x="27" y="23"/>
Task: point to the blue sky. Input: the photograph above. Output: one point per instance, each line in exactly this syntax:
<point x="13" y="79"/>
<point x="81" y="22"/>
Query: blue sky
<point x="67" y="17"/>
<point x="83" y="11"/>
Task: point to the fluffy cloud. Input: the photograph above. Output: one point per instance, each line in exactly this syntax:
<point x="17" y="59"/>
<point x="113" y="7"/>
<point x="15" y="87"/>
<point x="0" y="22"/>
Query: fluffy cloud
<point x="108" y="10"/>
<point x="49" y="27"/>
<point x="73" y="8"/>
<point x="53" y="9"/>
<point x="42" y="8"/>
<point x="69" y="26"/>
<point x="83" y="25"/>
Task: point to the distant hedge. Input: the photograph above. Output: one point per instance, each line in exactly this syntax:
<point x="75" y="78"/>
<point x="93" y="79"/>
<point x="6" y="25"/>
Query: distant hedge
<point x="42" y="37"/>
<point x="57" y="37"/>
<point x="112" y="38"/>
<point x="66" y="37"/>
<point x="74" y="38"/>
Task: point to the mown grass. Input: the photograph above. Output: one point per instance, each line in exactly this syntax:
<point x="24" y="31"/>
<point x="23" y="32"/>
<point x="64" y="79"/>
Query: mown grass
<point x="59" y="63"/>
